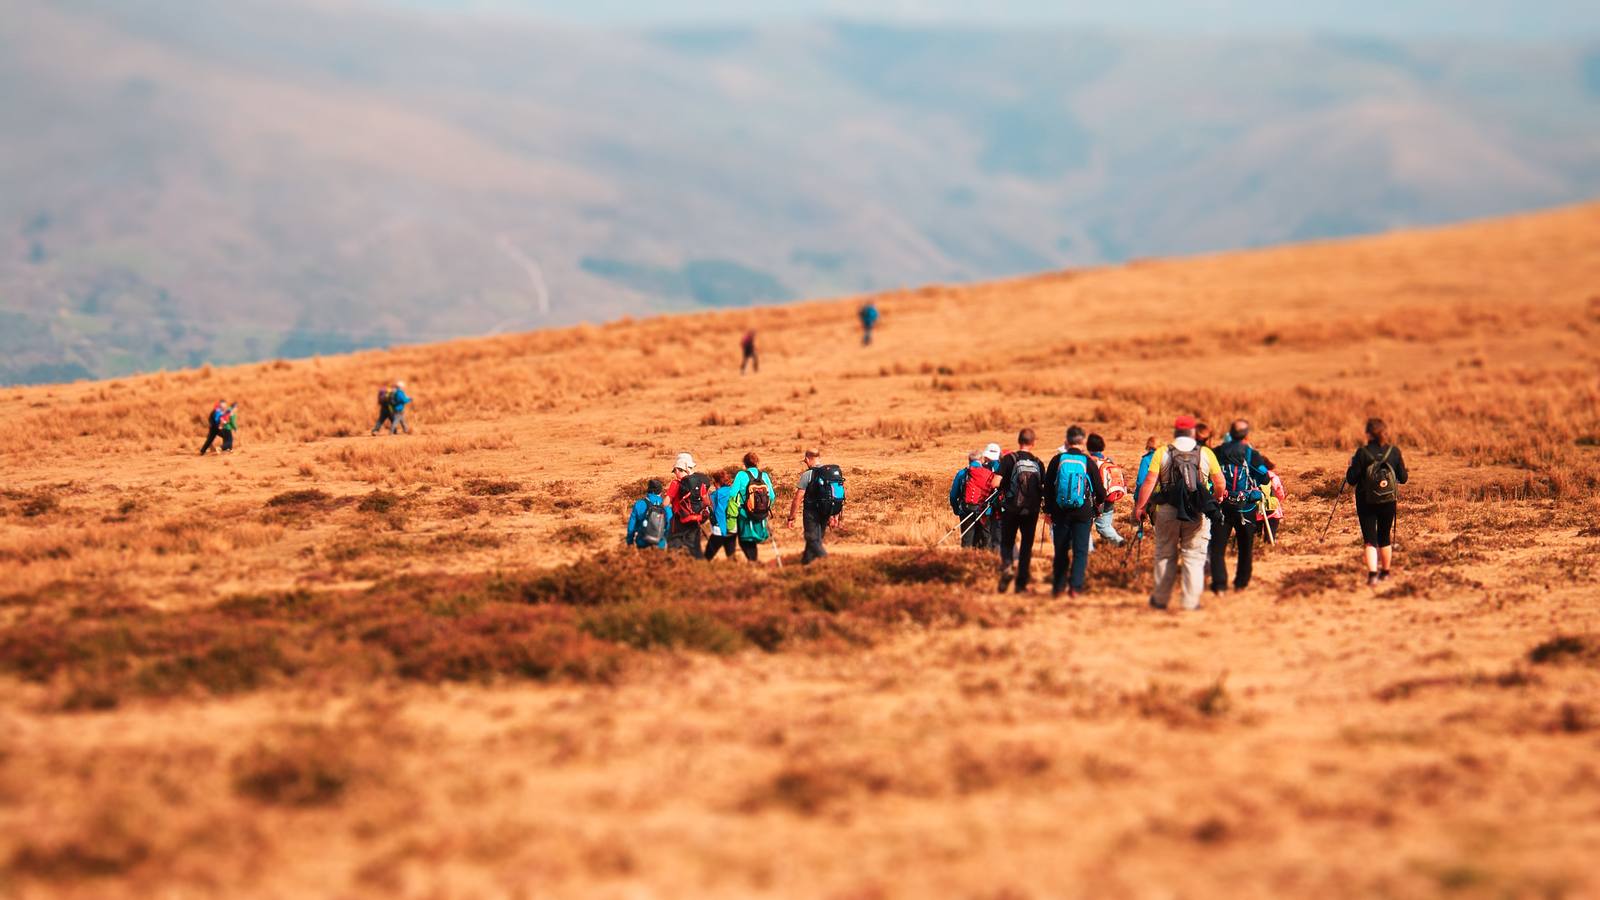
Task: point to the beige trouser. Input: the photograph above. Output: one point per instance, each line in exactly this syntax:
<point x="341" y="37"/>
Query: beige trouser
<point x="1180" y="553"/>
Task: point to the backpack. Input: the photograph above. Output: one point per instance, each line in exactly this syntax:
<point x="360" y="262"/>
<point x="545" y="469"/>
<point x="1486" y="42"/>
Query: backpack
<point x="1026" y="486"/>
<point x="980" y="484"/>
<point x="1181" y="483"/>
<point x="691" y="507"/>
<point x="825" y="491"/>
<point x="757" y="499"/>
<point x="216" y="417"/>
<point x="1240" y="483"/>
<point x="1378" y="484"/>
<point x="1072" y="481"/>
<point x="1112" y="479"/>
<point x="383" y="398"/>
<point x="655" y="525"/>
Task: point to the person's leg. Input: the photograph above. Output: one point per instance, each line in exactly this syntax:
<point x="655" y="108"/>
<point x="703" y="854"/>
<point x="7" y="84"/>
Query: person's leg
<point x="1369" y="538"/>
<point x="1027" y="532"/>
<point x="1242" y="568"/>
<point x="211" y="437"/>
<point x="1105" y="525"/>
<point x="1193" y="541"/>
<point x="227" y="441"/>
<point x="752" y="550"/>
<point x="1385" y="521"/>
<point x="1217" y="555"/>
<point x="1062" y="539"/>
<point x="691" y="542"/>
<point x="400" y="422"/>
<point x="1008" y="545"/>
<point x="1165" y="524"/>
<point x="1080" y="533"/>
<point x="812" y="526"/>
<point x="993" y="527"/>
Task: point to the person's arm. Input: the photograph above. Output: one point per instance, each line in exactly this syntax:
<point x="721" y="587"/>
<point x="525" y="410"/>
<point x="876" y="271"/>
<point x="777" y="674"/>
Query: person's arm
<point x="666" y="531"/>
<point x="1141" y="504"/>
<point x="1261" y="467"/>
<point x="1400" y="473"/>
<point x="1219" y="488"/>
<point x="957" y="486"/>
<point x="1352" y="476"/>
<point x="1098" y="481"/>
<point x="633" y="522"/>
<point x="800" y="489"/>
<point x="1047" y="491"/>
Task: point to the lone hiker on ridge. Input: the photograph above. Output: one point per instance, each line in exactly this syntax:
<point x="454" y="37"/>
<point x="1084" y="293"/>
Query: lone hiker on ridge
<point x="747" y="344"/>
<point x="1184" y="483"/>
<point x="1244" y="471"/>
<point x="821" y="491"/>
<point x="869" y="318"/>
<point x="689" y="496"/>
<point x="1021" y="492"/>
<point x="749" y="507"/>
<point x="1377" y="470"/>
<point x="1073" y="495"/>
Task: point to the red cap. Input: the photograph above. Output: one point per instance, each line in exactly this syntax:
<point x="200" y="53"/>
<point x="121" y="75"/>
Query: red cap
<point x="1184" y="422"/>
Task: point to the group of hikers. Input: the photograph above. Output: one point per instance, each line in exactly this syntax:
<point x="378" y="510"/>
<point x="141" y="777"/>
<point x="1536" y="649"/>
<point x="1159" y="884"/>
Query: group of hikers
<point x="392" y="403"/>
<point x="221" y="422"/>
<point x="737" y="506"/>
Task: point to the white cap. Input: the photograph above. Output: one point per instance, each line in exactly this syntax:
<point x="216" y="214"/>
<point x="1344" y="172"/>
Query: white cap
<point x="400" y="384"/>
<point x="991" y="452"/>
<point x="685" y="462"/>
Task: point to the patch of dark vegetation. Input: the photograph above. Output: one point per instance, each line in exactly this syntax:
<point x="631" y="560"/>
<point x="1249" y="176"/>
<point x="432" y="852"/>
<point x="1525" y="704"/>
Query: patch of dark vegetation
<point x="484" y="487"/>
<point x="302" y="497"/>
<point x="1186" y="708"/>
<point x="380" y="502"/>
<point x="578" y="533"/>
<point x="575" y="622"/>
<point x="39" y="504"/>
<point x="1309" y="582"/>
<point x="301" y="767"/>
<point x="1567" y="648"/>
<point x="1408" y="687"/>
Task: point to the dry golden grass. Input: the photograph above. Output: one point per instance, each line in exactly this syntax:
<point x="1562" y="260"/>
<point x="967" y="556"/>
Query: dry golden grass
<point x="339" y="664"/>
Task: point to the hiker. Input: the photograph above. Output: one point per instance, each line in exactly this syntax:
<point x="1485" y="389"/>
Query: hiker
<point x="1144" y="464"/>
<point x="385" y="409"/>
<point x="1073" y="496"/>
<point x="689" y="496"/>
<point x="1176" y="484"/>
<point x="398" y="401"/>
<point x="1202" y="434"/>
<point x="722" y="537"/>
<point x="1244" y="471"/>
<point x="650" y="520"/>
<point x="228" y="426"/>
<point x="750" y="506"/>
<point x="1022" y="491"/>
<point x="869" y="318"/>
<point x="1376" y="471"/>
<point x="1270" y="512"/>
<point x="972" y="498"/>
<point x="1105" y="520"/>
<point x="821" y="490"/>
<point x="748" y="345"/>
<point x="213" y="426"/>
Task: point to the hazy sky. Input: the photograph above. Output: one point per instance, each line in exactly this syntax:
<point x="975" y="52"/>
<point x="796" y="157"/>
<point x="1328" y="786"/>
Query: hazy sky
<point x="1516" y="19"/>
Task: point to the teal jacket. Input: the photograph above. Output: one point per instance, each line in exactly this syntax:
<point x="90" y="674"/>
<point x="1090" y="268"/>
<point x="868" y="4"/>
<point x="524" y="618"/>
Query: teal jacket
<point x="748" y="530"/>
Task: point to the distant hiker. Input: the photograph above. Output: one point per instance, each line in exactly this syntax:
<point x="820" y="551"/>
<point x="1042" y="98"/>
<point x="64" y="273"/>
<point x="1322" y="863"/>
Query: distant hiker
<point x="973" y="500"/>
<point x="650" y="520"/>
<point x="722" y="536"/>
<point x="820" y="492"/>
<point x="1073" y="496"/>
<point x="398" y="401"/>
<point x="230" y="424"/>
<point x="869" y="318"/>
<point x="1270" y="512"/>
<point x="749" y="507"/>
<point x="689" y="496"/>
<point x="1022" y="492"/>
<point x="213" y="426"/>
<point x="748" y="345"/>
<point x="1244" y="471"/>
<point x="1178" y="486"/>
<point x="385" y="409"/>
<point x="1105" y="520"/>
<point x="1376" y="471"/>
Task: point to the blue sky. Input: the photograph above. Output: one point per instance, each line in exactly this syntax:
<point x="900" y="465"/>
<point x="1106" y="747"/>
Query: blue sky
<point x="1503" y="19"/>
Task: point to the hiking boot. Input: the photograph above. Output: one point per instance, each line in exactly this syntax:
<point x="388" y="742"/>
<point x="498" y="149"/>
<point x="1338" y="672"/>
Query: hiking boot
<point x="1006" y="575"/>
<point x="1160" y="606"/>
<point x="1383" y="574"/>
<point x="1074" y="593"/>
<point x="1055" y="593"/>
<point x="1372" y="579"/>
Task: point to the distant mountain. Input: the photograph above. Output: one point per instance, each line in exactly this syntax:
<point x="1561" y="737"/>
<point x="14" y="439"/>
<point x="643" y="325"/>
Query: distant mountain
<point x="185" y="182"/>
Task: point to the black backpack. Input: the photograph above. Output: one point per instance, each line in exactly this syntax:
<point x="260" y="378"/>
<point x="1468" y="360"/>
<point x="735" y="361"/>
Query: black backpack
<point x="1183" y="484"/>
<point x="691" y="504"/>
<point x="1026" y="485"/>
<point x="655" y="525"/>
<point x="1378" y="483"/>
<point x="825" y="491"/>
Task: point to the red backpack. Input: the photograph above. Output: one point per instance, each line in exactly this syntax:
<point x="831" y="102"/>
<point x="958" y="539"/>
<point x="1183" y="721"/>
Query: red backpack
<point x="1111" y="476"/>
<point x="980" y="484"/>
<point x="691" y="505"/>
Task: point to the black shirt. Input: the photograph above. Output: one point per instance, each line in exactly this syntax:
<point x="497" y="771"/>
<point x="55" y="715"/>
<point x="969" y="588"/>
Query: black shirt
<point x="1096" y="484"/>
<point x="1360" y="460"/>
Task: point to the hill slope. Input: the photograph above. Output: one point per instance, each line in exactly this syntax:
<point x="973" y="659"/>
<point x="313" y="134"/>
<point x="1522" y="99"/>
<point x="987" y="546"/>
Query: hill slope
<point x="306" y="666"/>
<point x="193" y="182"/>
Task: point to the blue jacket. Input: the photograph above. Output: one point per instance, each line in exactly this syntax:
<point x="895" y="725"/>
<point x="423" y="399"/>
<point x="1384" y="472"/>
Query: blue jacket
<point x="869" y="315"/>
<point x="719" y="507"/>
<point x="1238" y="453"/>
<point x="398" y="399"/>
<point x="636" y="520"/>
<point x="1144" y="472"/>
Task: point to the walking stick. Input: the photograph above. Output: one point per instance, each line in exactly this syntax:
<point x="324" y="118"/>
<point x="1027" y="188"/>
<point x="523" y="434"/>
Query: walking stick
<point x="1331" y="510"/>
<point x="963" y="525"/>
<point x="776" y="550"/>
<point x="1266" y="523"/>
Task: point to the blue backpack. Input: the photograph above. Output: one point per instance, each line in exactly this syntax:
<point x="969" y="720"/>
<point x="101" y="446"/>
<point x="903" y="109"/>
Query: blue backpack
<point x="1240" y="483"/>
<point x="1072" y="481"/>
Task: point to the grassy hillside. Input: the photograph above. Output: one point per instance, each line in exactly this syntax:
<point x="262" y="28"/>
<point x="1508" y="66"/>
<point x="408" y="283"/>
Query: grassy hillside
<point x="331" y="662"/>
<point x="189" y="182"/>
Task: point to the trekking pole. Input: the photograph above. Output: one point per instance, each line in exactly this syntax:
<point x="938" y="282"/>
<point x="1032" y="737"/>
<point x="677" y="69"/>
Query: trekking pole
<point x="1331" y="510"/>
<point x="963" y="525"/>
<point x="776" y="550"/>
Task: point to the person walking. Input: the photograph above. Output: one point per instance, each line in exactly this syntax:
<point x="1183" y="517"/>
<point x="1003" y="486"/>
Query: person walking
<point x="1244" y="471"/>
<point x="749" y="507"/>
<point x="1105" y="520"/>
<point x="722" y="537"/>
<point x="972" y="498"/>
<point x="1021" y="493"/>
<point x="229" y="425"/>
<point x="748" y="345"/>
<point x="1376" y="472"/>
<point x="1073" y="494"/>
<point x="869" y="318"/>
<point x="385" y="410"/>
<point x="650" y="520"/>
<point x="1177" y="486"/>
<point x="398" y="401"/>
<point x="1270" y="512"/>
<point x="818" y="501"/>
<point x="689" y="497"/>
<point x="213" y="426"/>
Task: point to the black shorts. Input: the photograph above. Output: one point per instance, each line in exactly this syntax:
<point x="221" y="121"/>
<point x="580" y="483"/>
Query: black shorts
<point x="1377" y="523"/>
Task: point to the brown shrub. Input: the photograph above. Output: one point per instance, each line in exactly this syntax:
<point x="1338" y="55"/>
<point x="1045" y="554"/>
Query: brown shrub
<point x="301" y="766"/>
<point x="484" y="487"/>
<point x="1565" y="648"/>
<point x="300" y="498"/>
